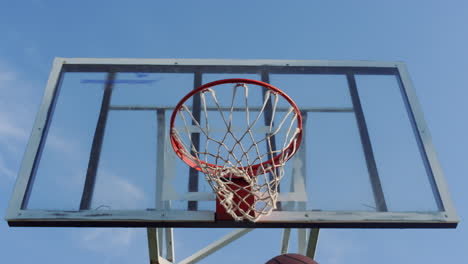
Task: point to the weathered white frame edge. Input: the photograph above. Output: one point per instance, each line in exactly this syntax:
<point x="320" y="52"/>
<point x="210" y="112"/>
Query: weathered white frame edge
<point x="441" y="185"/>
<point x="229" y="62"/>
<point x="208" y="216"/>
<point x="33" y="145"/>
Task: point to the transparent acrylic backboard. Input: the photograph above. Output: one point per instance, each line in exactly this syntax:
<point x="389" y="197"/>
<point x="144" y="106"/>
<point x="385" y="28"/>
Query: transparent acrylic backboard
<point x="100" y="155"/>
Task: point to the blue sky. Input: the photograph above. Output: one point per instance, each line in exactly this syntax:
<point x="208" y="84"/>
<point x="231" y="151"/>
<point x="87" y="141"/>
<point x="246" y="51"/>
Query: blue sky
<point x="429" y="36"/>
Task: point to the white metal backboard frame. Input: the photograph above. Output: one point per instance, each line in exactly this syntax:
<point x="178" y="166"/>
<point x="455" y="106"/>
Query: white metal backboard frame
<point x="18" y="215"/>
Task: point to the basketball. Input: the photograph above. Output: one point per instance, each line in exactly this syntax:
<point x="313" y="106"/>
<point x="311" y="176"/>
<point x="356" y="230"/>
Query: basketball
<point x="291" y="259"/>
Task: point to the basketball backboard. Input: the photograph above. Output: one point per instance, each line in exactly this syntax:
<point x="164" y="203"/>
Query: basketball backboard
<point x="100" y="155"/>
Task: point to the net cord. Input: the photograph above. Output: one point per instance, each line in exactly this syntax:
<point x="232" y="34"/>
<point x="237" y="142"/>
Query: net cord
<point x="223" y="170"/>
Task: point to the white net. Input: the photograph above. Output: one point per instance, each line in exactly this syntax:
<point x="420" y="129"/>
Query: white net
<point x="241" y="148"/>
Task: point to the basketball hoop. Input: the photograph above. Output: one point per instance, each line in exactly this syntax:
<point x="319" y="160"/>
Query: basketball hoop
<point x="243" y="168"/>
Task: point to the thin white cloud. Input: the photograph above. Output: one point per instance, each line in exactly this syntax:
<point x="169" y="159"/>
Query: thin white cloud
<point x="112" y="192"/>
<point x="13" y="139"/>
<point x="111" y="240"/>
<point x="15" y="107"/>
<point x="336" y="247"/>
<point x="13" y="117"/>
<point x="17" y="112"/>
<point x="5" y="170"/>
<point x="64" y="145"/>
<point x="115" y="192"/>
<point x="7" y="75"/>
<point x="33" y="52"/>
<point x="10" y="128"/>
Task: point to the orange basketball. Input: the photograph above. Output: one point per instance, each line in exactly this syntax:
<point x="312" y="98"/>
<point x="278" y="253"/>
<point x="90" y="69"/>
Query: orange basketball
<point x="291" y="259"/>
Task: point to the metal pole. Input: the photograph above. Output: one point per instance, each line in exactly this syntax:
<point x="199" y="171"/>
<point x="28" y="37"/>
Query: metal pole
<point x="215" y="246"/>
<point x="285" y="241"/>
<point x="153" y="245"/>
<point x="96" y="147"/>
<point x="379" y="197"/>
<point x="312" y="242"/>
<point x="193" y="174"/>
